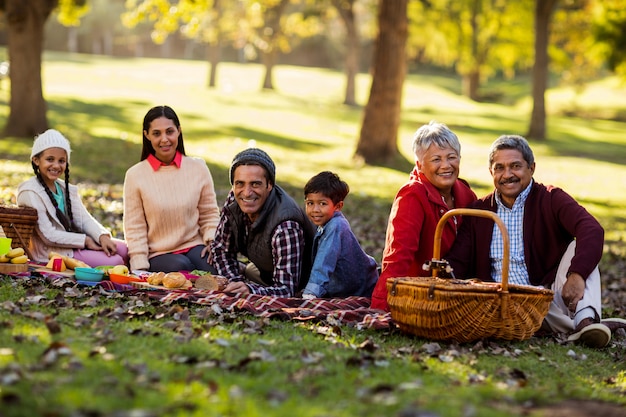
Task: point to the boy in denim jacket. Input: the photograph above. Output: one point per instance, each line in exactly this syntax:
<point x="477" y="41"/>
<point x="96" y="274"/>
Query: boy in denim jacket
<point x="340" y="266"/>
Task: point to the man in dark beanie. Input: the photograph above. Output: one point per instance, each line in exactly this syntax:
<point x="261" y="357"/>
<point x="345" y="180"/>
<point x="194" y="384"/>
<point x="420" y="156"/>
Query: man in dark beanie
<point x="262" y="223"/>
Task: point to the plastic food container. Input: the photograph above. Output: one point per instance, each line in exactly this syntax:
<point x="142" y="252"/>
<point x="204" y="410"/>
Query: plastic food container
<point x="123" y="279"/>
<point x="88" y="274"/>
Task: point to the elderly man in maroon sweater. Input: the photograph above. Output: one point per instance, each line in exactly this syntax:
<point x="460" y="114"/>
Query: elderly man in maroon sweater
<point x="555" y="243"/>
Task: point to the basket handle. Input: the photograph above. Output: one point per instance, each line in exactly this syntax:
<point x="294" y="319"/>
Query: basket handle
<point x="19" y="236"/>
<point x="477" y="213"/>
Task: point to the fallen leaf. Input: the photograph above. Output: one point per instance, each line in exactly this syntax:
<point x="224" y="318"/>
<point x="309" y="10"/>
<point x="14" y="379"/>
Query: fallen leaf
<point x="52" y="325"/>
<point x="368" y="345"/>
<point x="431" y="348"/>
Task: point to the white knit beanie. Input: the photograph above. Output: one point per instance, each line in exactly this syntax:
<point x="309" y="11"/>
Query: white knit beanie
<point x="50" y="139"/>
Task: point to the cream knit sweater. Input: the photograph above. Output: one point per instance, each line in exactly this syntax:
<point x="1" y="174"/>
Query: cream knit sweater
<point x="168" y="210"/>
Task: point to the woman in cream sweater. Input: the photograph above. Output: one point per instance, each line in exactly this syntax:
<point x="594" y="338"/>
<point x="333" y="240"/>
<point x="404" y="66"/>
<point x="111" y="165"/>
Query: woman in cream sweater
<point x="170" y="206"/>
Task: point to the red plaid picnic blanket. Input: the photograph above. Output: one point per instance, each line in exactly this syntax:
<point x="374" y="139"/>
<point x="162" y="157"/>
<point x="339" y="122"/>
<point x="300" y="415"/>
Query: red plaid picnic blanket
<point x="352" y="311"/>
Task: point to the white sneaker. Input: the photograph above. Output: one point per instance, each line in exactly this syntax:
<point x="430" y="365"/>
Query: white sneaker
<point x="595" y="335"/>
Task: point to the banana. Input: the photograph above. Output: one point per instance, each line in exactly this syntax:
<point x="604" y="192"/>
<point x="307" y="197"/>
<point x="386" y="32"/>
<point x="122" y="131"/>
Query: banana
<point x="4" y="259"/>
<point x="71" y="263"/>
<point x="22" y="259"/>
<point x="14" y="253"/>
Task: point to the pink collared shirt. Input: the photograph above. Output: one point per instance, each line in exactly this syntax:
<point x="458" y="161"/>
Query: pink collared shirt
<point x="156" y="164"/>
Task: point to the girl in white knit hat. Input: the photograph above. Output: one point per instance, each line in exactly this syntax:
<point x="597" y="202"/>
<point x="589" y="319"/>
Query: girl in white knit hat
<point x="64" y="225"/>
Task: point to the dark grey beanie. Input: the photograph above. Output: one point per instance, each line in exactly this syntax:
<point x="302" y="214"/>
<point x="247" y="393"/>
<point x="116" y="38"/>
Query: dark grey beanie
<point x="254" y="156"/>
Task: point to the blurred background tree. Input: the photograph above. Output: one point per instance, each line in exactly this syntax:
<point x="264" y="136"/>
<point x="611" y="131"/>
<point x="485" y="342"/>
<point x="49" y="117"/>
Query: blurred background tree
<point x="378" y="142"/>
<point x="25" y="20"/>
<point x="609" y="29"/>
<point x="546" y="41"/>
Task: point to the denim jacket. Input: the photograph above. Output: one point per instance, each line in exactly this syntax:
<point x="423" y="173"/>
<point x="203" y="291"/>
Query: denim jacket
<point x="340" y="266"/>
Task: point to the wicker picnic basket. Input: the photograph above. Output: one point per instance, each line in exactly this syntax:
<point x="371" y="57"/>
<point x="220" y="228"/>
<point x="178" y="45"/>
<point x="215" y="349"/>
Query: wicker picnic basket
<point x="457" y="310"/>
<point x="18" y="224"/>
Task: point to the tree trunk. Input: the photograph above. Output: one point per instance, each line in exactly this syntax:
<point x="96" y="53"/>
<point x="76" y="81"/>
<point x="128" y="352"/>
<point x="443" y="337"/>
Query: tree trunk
<point x="269" y="56"/>
<point x="25" y="23"/>
<point x="215" y="53"/>
<point x="269" y="59"/>
<point x="215" y="48"/>
<point x="471" y="80"/>
<point x="379" y="131"/>
<point x="543" y="14"/>
<point x="346" y="11"/>
<point x="72" y="39"/>
<point x="471" y="83"/>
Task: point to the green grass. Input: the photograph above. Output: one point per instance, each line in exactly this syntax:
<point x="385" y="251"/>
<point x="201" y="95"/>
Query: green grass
<point x="127" y="353"/>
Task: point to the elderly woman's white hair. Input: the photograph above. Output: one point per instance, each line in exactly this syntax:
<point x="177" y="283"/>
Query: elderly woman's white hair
<point x="434" y="133"/>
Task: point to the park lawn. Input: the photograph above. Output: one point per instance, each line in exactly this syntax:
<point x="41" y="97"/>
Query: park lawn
<point x="114" y="355"/>
<point x="80" y="351"/>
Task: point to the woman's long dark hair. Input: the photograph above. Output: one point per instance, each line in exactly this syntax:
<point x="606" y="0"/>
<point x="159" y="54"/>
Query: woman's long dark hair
<point x="66" y="220"/>
<point x="155" y="113"/>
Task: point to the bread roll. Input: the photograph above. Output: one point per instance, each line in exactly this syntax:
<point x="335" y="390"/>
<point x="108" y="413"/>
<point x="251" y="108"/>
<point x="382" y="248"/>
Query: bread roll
<point x="211" y="282"/>
<point x="156" y="278"/>
<point x="174" y="280"/>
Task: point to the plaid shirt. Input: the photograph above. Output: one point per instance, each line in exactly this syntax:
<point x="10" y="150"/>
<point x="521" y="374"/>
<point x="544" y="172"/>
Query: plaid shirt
<point x="287" y="252"/>
<point x="513" y="219"/>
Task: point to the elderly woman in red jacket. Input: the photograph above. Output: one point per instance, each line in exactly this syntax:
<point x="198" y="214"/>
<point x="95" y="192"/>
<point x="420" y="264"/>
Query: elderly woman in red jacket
<point x="433" y="188"/>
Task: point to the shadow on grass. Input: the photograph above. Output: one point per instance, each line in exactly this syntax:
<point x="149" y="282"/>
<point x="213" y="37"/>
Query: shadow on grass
<point x="566" y="137"/>
<point x="287" y="103"/>
<point x="286" y="142"/>
<point x="397" y="163"/>
<point x="73" y="112"/>
<point x="580" y="147"/>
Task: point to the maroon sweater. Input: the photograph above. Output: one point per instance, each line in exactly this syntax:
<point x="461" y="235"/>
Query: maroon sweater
<point x="552" y="219"/>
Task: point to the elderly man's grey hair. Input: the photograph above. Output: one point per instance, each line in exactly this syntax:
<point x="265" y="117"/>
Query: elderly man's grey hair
<point x="434" y="133"/>
<point x="512" y="142"/>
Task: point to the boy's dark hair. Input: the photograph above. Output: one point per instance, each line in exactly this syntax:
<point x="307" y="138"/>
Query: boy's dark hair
<point x="329" y="184"/>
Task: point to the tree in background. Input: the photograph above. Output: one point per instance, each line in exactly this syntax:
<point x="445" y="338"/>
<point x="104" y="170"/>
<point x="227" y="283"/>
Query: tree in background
<point x="100" y="25"/>
<point x="609" y="28"/>
<point x="353" y="47"/>
<point x="269" y="27"/>
<point x="378" y="141"/>
<point x="478" y="38"/>
<point x="276" y="26"/>
<point x="206" y="21"/>
<point x="268" y="35"/>
<point x="25" y="21"/>
<point x="543" y="15"/>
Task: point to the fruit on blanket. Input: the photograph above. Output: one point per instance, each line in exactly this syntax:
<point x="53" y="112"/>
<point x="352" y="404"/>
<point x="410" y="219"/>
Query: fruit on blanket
<point x="15" y="256"/>
<point x="22" y="259"/>
<point x="119" y="270"/>
<point x="70" y="263"/>
<point x="50" y="264"/>
<point x="14" y="253"/>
